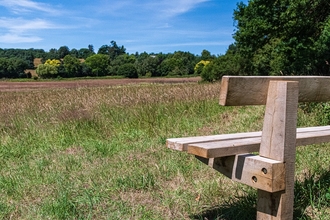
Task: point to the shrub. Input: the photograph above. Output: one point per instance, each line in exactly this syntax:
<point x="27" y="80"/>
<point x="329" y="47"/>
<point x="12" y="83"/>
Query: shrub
<point x="128" y="70"/>
<point x="47" y="71"/>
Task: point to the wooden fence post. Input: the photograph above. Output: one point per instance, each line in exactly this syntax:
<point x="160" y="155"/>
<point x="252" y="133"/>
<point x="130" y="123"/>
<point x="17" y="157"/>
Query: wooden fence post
<point x="278" y="142"/>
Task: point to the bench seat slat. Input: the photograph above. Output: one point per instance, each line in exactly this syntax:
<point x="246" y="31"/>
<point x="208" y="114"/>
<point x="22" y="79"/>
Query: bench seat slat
<point x="181" y="144"/>
<point x="225" y="148"/>
<point x="232" y="144"/>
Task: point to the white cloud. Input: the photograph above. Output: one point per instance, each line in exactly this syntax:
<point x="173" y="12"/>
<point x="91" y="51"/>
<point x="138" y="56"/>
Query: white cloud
<point x="20" y="6"/>
<point x="19" y="25"/>
<point x="147" y="8"/>
<point x="18" y="30"/>
<point x="176" y="7"/>
<point x="14" y="38"/>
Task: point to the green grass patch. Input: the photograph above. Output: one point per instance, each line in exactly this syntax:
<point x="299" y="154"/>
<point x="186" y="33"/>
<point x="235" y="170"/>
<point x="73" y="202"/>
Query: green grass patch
<point x="99" y="153"/>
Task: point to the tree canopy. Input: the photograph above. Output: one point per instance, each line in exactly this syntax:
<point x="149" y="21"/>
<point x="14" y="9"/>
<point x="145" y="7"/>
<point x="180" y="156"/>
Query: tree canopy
<point x="283" y="37"/>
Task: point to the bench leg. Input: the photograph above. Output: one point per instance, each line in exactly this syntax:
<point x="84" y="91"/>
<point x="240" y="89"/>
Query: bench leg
<point x="278" y="143"/>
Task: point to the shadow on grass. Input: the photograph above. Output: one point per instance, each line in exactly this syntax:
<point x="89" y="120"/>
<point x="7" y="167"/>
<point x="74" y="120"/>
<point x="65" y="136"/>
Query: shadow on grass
<point x="313" y="193"/>
<point x="243" y="208"/>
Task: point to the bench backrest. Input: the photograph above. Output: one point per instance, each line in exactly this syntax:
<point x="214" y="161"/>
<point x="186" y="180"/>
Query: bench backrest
<point x="253" y="90"/>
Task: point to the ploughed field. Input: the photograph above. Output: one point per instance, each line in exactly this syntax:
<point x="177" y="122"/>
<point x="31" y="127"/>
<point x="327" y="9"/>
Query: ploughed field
<point x="21" y="86"/>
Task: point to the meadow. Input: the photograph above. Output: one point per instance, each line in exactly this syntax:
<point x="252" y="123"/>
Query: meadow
<point x="100" y="153"/>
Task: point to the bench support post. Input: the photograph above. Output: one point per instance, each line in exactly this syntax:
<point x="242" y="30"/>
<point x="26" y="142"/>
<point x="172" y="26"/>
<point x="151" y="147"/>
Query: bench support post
<point x="278" y="143"/>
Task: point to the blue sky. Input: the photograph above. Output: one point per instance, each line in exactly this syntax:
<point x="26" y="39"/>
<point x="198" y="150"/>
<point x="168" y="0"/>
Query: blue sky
<point x="140" y="25"/>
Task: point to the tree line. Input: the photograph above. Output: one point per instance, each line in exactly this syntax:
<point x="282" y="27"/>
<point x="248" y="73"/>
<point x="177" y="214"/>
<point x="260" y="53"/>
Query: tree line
<point x="109" y="60"/>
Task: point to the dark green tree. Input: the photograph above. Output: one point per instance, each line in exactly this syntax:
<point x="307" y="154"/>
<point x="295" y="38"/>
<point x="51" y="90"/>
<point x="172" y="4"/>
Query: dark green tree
<point x="128" y="70"/>
<point x="52" y="54"/>
<point x="178" y="64"/>
<point x="113" y="50"/>
<point x="27" y="55"/>
<point x="99" y="64"/>
<point x="74" y="52"/>
<point x="72" y="66"/>
<point x="206" y="55"/>
<point x="149" y="66"/>
<point x="91" y="48"/>
<point x="63" y="51"/>
<point x="282" y="37"/>
<point x="119" y="61"/>
<point x="83" y="53"/>
<point x="12" y="67"/>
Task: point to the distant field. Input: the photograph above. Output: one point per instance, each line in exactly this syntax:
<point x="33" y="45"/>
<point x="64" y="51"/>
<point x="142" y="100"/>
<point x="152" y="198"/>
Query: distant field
<point x="21" y="86"/>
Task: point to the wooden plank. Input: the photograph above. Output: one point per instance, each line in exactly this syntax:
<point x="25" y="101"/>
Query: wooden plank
<point x="225" y="148"/>
<point x="252" y="170"/>
<point x="313" y="137"/>
<point x="252" y="90"/>
<point x="278" y="142"/>
<point x="230" y="144"/>
<point x="181" y="144"/>
<point x="259" y="172"/>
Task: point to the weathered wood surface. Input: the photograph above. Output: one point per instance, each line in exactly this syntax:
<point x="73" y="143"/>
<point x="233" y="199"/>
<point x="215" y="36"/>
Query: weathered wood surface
<point x="252" y="90"/>
<point x="278" y="142"/>
<point x="181" y="144"/>
<point x="259" y="172"/>
<point x="231" y="144"/>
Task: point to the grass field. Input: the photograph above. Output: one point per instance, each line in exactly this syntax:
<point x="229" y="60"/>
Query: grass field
<point x="99" y="153"/>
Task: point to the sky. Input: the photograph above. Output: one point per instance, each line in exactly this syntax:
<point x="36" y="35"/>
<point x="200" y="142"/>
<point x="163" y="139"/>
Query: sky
<point x="151" y="26"/>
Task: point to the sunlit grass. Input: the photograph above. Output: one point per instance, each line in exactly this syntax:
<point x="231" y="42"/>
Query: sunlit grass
<point x="99" y="153"/>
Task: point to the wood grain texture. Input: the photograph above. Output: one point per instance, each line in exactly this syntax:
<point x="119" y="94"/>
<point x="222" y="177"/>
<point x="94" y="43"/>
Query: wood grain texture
<point x="252" y="90"/>
<point x="278" y="142"/>
<point x="181" y="144"/>
<point x="252" y="170"/>
<point x="225" y="148"/>
<point x="255" y="171"/>
<point x="232" y="144"/>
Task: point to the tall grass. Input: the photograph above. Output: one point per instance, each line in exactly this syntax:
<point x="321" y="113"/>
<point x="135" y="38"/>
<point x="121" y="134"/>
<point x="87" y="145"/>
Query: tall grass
<point x="99" y="153"/>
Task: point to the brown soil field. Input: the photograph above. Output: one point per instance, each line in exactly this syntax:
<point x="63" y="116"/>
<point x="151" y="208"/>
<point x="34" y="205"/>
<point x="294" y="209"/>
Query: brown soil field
<point x="27" y="86"/>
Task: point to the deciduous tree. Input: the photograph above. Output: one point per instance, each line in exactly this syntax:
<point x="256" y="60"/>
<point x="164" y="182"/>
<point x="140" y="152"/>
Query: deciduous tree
<point x="72" y="66"/>
<point x="128" y="70"/>
<point x="99" y="64"/>
<point x="283" y="36"/>
<point x="63" y="51"/>
<point x="12" y="67"/>
<point x="46" y="71"/>
<point x="113" y="50"/>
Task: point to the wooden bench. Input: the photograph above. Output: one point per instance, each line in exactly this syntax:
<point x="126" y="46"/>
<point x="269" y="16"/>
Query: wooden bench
<point x="272" y="171"/>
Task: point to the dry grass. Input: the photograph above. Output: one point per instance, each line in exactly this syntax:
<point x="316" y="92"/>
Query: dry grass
<point x="86" y="139"/>
<point x="99" y="153"/>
